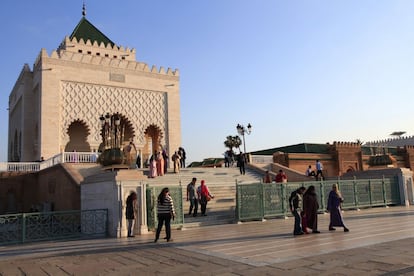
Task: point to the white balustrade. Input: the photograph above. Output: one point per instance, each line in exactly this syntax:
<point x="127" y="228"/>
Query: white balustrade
<point x="65" y="157"/>
<point x="261" y="159"/>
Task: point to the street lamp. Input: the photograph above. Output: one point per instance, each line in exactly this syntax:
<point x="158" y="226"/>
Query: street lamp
<point x="112" y="137"/>
<point x="242" y="130"/>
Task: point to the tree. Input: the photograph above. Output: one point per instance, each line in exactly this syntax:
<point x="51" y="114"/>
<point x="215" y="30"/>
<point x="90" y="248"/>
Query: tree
<point x="359" y="142"/>
<point x="232" y="142"/>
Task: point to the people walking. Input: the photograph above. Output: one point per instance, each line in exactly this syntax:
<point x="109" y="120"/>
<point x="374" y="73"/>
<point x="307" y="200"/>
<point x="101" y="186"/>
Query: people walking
<point x="334" y="207"/>
<point x="165" y="212"/>
<point x="182" y="154"/>
<point x="160" y="164"/>
<point x="204" y="197"/>
<point x="241" y="162"/>
<point x="152" y="167"/>
<point x="130" y="210"/>
<point x="310" y="208"/>
<point x="267" y="178"/>
<point x="226" y="159"/>
<point x="296" y="207"/>
<point x="281" y="177"/>
<point x="138" y="161"/>
<point x="192" y="197"/>
<point x="165" y="157"/>
<point x="176" y="160"/>
<point x="319" y="170"/>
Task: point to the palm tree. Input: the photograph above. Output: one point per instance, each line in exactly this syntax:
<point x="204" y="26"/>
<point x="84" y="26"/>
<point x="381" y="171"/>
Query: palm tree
<point x="359" y="142"/>
<point x="232" y="142"/>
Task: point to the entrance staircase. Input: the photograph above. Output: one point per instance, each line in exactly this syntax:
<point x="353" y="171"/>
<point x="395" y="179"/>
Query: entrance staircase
<point x="221" y="183"/>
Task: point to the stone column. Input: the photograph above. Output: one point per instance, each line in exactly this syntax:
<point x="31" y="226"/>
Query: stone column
<point x="142" y="217"/>
<point x="405" y="182"/>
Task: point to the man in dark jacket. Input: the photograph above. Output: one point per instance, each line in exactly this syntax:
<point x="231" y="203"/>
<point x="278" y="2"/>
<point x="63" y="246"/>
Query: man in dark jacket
<point x="131" y="208"/>
<point x="296" y="207"/>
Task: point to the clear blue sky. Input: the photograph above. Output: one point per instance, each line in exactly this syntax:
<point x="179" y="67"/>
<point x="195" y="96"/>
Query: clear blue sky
<point x="298" y="71"/>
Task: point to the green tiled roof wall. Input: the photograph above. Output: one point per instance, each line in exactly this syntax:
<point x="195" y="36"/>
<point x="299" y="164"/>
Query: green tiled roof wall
<point x="86" y="30"/>
<point x="298" y="148"/>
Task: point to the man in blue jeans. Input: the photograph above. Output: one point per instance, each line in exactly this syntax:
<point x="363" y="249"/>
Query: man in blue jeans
<point x="192" y="197"/>
<point x="296" y="207"/>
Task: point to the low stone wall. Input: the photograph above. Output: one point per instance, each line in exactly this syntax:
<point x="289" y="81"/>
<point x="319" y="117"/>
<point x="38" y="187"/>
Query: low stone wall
<point x="52" y="189"/>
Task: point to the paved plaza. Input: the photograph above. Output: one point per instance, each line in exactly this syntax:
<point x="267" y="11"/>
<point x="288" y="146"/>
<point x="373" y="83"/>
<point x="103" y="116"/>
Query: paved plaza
<point x="381" y="242"/>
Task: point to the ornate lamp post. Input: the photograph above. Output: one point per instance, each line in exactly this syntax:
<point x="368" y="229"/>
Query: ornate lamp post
<point x="112" y="137"/>
<point x="242" y="130"/>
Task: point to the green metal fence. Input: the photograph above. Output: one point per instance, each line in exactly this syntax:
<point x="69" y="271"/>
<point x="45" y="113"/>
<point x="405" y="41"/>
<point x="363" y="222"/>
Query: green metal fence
<point x="152" y="195"/>
<point x="30" y="227"/>
<point x="265" y="200"/>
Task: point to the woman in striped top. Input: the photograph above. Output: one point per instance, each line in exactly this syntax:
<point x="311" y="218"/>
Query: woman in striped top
<point x="165" y="210"/>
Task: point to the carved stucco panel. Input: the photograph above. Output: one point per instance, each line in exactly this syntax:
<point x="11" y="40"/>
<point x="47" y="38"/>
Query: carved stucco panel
<point x="87" y="102"/>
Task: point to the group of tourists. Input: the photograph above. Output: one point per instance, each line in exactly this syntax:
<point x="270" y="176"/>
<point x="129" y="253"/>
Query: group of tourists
<point x="304" y="206"/>
<point x="303" y="203"/>
<point x="319" y="171"/>
<point x="166" y="211"/>
<point x="158" y="162"/>
<point x="200" y="195"/>
<point x="280" y="177"/>
<point x="178" y="159"/>
<point x="230" y="157"/>
<point x="165" y="207"/>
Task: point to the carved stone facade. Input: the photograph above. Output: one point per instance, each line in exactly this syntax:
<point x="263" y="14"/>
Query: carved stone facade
<point x="56" y="106"/>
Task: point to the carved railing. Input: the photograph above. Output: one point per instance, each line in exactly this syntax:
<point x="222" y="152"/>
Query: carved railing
<point x="30" y="227"/>
<point x="265" y="200"/>
<point x="64" y="157"/>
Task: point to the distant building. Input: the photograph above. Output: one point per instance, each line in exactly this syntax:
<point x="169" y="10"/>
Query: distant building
<point x="56" y="106"/>
<point x="393" y="142"/>
<point x="340" y="158"/>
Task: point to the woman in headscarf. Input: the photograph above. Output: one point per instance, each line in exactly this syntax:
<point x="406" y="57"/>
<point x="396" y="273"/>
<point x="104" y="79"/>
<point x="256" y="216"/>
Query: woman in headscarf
<point x="160" y="164"/>
<point x="334" y="207"/>
<point x="165" y="212"/>
<point x="204" y="197"/>
<point x="310" y="208"/>
<point x="152" y="167"/>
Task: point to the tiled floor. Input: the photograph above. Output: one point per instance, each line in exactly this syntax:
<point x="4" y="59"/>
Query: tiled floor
<point x="381" y="241"/>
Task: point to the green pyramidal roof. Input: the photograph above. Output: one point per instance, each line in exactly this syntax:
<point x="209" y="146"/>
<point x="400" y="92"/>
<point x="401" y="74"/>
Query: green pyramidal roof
<point x="86" y="30"/>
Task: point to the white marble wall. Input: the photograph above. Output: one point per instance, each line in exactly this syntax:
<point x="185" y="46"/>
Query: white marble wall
<point x="110" y="192"/>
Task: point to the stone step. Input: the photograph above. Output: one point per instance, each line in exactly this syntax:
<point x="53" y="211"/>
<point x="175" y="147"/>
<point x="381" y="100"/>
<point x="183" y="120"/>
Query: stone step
<point x="208" y="223"/>
<point x="212" y="176"/>
<point x="221" y="183"/>
<point x="213" y="217"/>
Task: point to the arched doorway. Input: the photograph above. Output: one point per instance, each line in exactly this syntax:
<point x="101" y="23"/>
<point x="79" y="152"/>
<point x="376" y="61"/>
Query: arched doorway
<point x="78" y="133"/>
<point x="153" y="137"/>
<point x="350" y="169"/>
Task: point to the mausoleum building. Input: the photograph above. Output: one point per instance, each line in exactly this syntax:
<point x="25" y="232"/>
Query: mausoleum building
<point x="56" y="106"/>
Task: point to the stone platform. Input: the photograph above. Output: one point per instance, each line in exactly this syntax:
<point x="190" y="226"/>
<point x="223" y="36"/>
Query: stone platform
<point x="380" y="242"/>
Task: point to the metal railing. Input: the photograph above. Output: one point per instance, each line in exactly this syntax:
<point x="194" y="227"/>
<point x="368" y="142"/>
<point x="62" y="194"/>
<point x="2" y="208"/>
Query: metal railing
<point x="264" y="200"/>
<point x="176" y="194"/>
<point x="30" y="227"/>
<point x="64" y="157"/>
